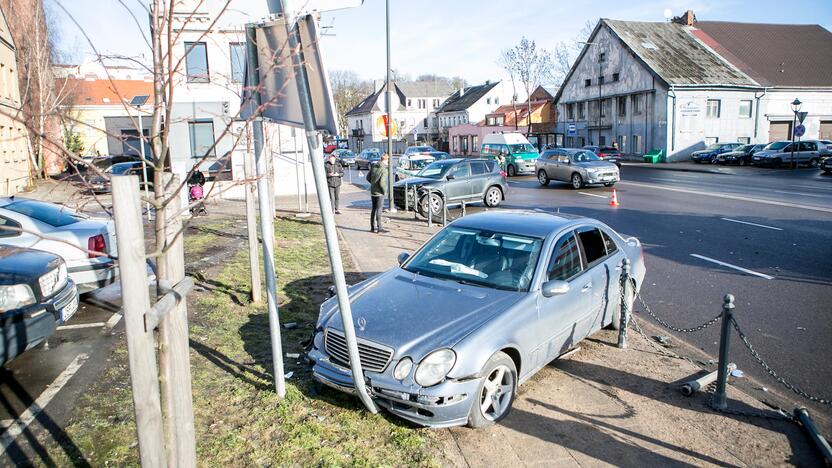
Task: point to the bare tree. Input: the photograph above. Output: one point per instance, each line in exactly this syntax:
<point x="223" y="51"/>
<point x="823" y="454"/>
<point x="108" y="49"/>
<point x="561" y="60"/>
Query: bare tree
<point x="565" y="53"/>
<point x="508" y="60"/>
<point x="531" y="66"/>
<point x="348" y="90"/>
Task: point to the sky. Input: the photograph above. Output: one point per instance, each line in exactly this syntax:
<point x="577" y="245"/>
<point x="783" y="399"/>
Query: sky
<point x="443" y="37"/>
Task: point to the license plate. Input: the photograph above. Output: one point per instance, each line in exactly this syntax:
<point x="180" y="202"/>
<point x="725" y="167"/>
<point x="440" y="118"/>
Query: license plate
<point x="69" y="310"/>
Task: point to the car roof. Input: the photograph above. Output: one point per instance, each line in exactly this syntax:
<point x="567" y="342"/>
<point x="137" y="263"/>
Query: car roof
<point x="536" y="223"/>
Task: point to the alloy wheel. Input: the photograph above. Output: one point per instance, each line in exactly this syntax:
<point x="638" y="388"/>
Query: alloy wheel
<point x="497" y="393"/>
<point x="493" y="197"/>
<point x="577" y="181"/>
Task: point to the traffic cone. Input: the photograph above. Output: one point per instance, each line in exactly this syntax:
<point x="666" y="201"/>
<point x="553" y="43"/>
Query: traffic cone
<point x="614" y="199"/>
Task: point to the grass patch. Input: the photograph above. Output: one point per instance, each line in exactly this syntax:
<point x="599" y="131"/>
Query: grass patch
<point x="239" y="419"/>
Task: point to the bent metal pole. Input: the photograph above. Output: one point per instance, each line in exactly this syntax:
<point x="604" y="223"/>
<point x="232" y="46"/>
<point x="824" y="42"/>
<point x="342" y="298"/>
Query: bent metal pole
<point x="266" y="217"/>
<point x="313" y="137"/>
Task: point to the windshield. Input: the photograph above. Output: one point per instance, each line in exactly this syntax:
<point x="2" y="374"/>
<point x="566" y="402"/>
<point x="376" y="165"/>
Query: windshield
<point x="120" y="169"/>
<point x="483" y="258"/>
<point x="435" y="170"/>
<point x="777" y="145"/>
<point x="585" y="156"/>
<point x="521" y="148"/>
<point x="53" y="215"/>
<point x="420" y="163"/>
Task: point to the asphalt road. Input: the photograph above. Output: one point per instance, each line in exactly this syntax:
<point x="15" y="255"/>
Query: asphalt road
<point x="771" y="231"/>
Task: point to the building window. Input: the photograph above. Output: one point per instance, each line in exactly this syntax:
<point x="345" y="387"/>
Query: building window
<point x="636" y="100"/>
<point x="410" y="103"/>
<point x="587" y="82"/>
<point x="622" y="143"/>
<point x="238" y="61"/>
<point x="425" y="122"/>
<point x="435" y="103"/>
<point x="202" y="138"/>
<point x="745" y="108"/>
<point x="500" y="120"/>
<point x="489" y="121"/>
<point x="581" y="111"/>
<point x="615" y="76"/>
<point x="602" y="57"/>
<point x="464" y="144"/>
<point x="744" y="140"/>
<point x="713" y="108"/>
<point x="423" y="103"/>
<point x="605" y="104"/>
<point x="637" y="144"/>
<point x="711" y="141"/>
<point x="196" y="62"/>
<point x="602" y="140"/>
<point x="496" y="100"/>
<point x="601" y="80"/>
<point x="488" y="101"/>
<point x="570" y="111"/>
<point x="622" y="106"/>
<point x="475" y="143"/>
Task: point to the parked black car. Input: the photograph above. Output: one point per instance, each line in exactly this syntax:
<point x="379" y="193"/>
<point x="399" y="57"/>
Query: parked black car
<point x="452" y="181"/>
<point x="607" y="153"/>
<point x="99" y="184"/>
<point x="36" y="296"/>
<point x="367" y="157"/>
<point x="740" y="156"/>
<point x="826" y="165"/>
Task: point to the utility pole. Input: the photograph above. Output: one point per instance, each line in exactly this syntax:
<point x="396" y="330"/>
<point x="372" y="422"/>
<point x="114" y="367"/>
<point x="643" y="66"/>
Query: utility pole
<point x="266" y="217"/>
<point x="251" y="220"/>
<point x="389" y="101"/>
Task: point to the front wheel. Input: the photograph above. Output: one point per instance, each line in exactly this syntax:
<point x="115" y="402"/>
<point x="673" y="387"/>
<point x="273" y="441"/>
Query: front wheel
<point x="511" y="171"/>
<point x="742" y="162"/>
<point x="609" y="184"/>
<point x="493" y="197"/>
<point x="431" y="207"/>
<point x="542" y="178"/>
<point x="496" y="392"/>
<point x="813" y="163"/>
<point x="577" y="181"/>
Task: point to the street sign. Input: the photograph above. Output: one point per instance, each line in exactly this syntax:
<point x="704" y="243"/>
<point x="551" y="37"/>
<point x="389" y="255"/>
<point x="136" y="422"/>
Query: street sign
<point x="298" y="8"/>
<point x="801" y="116"/>
<point x="571" y="130"/>
<point x="278" y="88"/>
<point x="381" y="126"/>
<point x="799" y="131"/>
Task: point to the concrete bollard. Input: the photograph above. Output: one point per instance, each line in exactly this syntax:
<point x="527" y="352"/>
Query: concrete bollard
<point x="720" y="397"/>
<point x="692" y="386"/>
<point x="802" y="415"/>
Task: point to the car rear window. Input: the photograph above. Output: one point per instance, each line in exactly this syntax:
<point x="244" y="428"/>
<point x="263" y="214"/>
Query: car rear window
<point x="8" y="228"/>
<point x="53" y="215"/>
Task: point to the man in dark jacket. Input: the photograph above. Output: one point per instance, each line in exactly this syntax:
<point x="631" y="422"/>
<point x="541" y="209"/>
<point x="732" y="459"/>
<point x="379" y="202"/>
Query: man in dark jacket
<point x="334" y="173"/>
<point x="377" y="177"/>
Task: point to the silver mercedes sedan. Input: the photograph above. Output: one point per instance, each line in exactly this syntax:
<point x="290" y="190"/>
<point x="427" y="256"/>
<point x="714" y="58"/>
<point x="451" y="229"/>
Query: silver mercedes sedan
<point x="446" y="337"/>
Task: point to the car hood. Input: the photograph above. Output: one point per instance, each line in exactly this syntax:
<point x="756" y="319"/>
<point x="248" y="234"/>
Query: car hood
<point x="696" y="153"/>
<point x="417" y="181"/>
<point x="597" y="165"/>
<point x="20" y="265"/>
<point x="414" y="314"/>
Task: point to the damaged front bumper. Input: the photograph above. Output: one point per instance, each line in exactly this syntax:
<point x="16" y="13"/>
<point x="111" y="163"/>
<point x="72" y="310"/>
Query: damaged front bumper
<point x="443" y="405"/>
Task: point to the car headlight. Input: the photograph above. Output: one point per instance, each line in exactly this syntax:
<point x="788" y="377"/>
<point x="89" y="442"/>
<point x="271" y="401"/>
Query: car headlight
<point x="434" y="367"/>
<point x="15" y="296"/>
<point x="403" y="368"/>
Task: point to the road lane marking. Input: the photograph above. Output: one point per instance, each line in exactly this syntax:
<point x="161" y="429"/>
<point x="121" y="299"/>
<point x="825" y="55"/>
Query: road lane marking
<point x="114" y="319"/>
<point x="593" y="195"/>
<point x="729" y="197"/>
<point x="82" y="325"/>
<point x="22" y="422"/>
<point x="751" y="224"/>
<point x="744" y="270"/>
<point x="800" y="193"/>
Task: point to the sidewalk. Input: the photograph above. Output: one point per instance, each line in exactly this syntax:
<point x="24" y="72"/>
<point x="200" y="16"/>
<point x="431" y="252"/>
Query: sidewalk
<point x="600" y="405"/>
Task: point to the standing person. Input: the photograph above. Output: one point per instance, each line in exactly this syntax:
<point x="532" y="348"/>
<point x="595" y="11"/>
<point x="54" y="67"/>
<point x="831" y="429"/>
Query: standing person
<point x="334" y="173"/>
<point x="615" y="146"/>
<point x="377" y="176"/>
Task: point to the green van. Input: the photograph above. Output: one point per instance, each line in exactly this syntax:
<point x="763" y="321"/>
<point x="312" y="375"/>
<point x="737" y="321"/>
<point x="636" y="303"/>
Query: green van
<point x="517" y="153"/>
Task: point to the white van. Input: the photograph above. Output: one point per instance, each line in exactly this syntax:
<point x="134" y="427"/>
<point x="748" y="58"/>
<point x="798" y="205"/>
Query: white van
<point x="518" y="154"/>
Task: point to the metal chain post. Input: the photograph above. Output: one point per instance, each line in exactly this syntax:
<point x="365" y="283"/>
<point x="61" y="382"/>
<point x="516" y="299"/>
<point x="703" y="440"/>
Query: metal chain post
<point x="406" y="196"/>
<point x="429" y="209"/>
<point x="444" y="214"/>
<point x="720" y="400"/>
<point x="625" y="308"/>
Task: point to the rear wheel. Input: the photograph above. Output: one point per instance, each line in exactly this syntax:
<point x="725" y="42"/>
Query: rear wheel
<point x="742" y="162"/>
<point x="493" y="197"/>
<point x="577" y="181"/>
<point x="511" y="170"/>
<point x="496" y="392"/>
<point x="813" y="162"/>
<point x="542" y="178"/>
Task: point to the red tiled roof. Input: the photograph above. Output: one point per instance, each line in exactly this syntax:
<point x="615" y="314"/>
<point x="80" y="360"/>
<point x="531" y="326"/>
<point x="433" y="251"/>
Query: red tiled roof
<point x="104" y="92"/>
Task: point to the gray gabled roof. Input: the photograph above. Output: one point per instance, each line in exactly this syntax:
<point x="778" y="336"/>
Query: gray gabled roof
<point x="421" y="89"/>
<point x="469" y="97"/>
<point x="670" y="51"/>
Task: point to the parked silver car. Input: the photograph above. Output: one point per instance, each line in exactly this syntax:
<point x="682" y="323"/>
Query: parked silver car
<point x="579" y="167"/>
<point x="446" y="337"/>
<point x="780" y="153"/>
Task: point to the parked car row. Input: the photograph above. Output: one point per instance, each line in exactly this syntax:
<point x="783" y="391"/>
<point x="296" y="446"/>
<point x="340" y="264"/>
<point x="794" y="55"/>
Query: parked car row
<point x="802" y="153"/>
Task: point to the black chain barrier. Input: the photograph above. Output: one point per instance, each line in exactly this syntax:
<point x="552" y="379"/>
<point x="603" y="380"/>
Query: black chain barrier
<point x="671" y="327"/>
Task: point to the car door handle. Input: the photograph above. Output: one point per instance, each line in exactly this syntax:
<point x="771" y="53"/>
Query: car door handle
<point x="587" y="287"/>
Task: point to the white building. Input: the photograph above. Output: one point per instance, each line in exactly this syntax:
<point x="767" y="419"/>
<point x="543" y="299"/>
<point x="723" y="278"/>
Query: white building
<point x="414" y="111"/>
<point x="681" y="85"/>
<point x="206" y="101"/>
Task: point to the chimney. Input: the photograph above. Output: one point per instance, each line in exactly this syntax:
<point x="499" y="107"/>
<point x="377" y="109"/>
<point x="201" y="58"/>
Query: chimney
<point x="461" y="91"/>
<point x="687" y="19"/>
<point x="378" y="84"/>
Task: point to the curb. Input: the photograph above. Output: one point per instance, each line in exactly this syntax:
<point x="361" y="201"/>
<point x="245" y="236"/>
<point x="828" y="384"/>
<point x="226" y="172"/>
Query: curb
<point x="678" y="169"/>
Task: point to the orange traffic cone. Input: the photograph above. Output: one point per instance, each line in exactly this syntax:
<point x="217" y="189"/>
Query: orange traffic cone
<point x="614" y="199"/>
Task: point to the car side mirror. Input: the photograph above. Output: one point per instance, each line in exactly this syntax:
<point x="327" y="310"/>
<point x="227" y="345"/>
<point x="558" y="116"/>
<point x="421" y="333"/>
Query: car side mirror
<point x="450" y="177"/>
<point x="331" y="291"/>
<point x="554" y="288"/>
<point x="403" y="257"/>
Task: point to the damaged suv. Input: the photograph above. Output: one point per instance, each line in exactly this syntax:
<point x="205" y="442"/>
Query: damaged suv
<point x="445" y="338"/>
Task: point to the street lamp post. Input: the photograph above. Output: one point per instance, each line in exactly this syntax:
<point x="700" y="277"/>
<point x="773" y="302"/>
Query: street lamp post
<point x="389" y="102"/>
<point x="600" y="74"/>
<point x="796" y="105"/>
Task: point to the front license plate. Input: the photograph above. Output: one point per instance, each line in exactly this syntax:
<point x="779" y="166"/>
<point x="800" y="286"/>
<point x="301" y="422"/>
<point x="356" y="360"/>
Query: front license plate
<point x="69" y="310"/>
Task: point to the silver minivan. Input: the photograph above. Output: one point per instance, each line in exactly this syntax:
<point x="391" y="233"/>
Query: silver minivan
<point x="579" y="167"/>
<point x="780" y="153"/>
